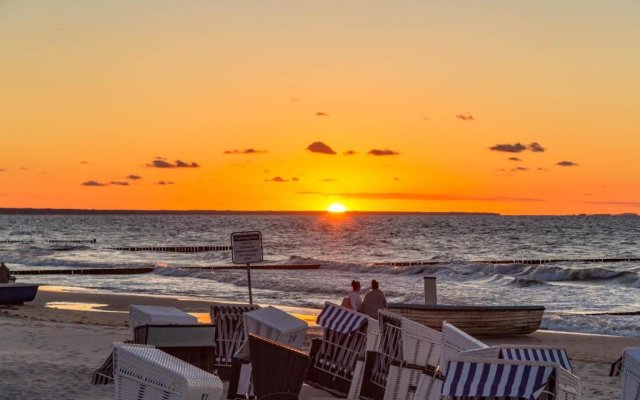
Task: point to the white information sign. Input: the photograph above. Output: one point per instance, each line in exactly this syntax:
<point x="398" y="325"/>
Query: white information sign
<point x="246" y="247"/>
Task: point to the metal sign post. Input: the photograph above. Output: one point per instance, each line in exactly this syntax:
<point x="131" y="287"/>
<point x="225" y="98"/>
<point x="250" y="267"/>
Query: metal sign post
<point x="246" y="248"/>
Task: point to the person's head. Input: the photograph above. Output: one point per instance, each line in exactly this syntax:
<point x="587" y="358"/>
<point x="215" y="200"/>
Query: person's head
<point x="2" y="264"/>
<point x="355" y="285"/>
<point x="374" y="284"/>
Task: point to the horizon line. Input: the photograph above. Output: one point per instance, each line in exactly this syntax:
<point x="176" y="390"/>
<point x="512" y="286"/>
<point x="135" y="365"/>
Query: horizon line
<point x="72" y="211"/>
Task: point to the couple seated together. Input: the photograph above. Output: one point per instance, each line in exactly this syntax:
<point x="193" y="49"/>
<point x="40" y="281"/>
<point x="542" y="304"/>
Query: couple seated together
<point x="374" y="299"/>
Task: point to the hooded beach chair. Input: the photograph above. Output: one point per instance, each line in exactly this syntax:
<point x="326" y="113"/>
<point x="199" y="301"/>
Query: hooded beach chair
<point x="146" y="373"/>
<point x="278" y="370"/>
<point x="270" y="323"/>
<point x="227" y="317"/>
<point x="334" y="356"/>
<point x="194" y="344"/>
<point x="630" y="372"/>
<point x="425" y="382"/>
<point x="403" y="343"/>
<point x="484" y="378"/>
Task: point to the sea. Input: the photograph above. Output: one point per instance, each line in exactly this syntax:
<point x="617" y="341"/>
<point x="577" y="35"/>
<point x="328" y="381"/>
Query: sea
<point x="581" y="290"/>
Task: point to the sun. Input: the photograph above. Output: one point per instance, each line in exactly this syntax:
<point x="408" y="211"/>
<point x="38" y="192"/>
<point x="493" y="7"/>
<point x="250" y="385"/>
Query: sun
<point x="336" y="208"/>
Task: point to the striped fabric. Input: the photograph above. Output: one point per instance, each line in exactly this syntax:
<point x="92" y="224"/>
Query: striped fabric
<point x="104" y="374"/>
<point x="339" y="319"/>
<point x="486" y="380"/>
<point x="546" y="355"/>
<point x="229" y="329"/>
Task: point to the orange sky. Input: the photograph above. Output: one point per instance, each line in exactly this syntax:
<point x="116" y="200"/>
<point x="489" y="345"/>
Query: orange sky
<point x="96" y="91"/>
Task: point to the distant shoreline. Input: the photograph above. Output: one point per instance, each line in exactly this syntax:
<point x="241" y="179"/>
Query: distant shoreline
<point x="71" y="211"/>
<point x="74" y="211"/>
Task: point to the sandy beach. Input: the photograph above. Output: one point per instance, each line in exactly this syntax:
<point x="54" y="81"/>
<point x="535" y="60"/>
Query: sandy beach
<point x="53" y="344"/>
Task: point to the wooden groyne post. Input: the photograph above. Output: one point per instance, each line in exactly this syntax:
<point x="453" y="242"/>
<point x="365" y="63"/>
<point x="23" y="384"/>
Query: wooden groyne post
<point x="430" y="290"/>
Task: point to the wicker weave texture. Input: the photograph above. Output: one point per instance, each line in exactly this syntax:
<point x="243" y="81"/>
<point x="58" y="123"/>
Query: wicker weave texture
<point x="143" y="373"/>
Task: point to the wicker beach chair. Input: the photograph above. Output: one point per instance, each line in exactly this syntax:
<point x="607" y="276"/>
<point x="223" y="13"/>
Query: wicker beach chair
<point x="146" y="373"/>
<point x="421" y="382"/>
<point x="334" y="356"/>
<point x="270" y="323"/>
<point x="194" y="344"/>
<point x="278" y="370"/>
<point x="393" y="370"/>
<point x="227" y="317"/>
<point x="630" y="372"/>
<point x="484" y="378"/>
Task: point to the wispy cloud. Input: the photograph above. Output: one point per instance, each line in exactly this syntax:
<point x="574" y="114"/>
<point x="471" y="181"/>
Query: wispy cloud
<point x="465" y="117"/>
<point x="421" y="196"/>
<point x="134" y="177"/>
<point x="164" y="183"/>
<point x="517" y="148"/>
<point x="84" y="162"/>
<point x="509" y="148"/>
<point x="350" y="153"/>
<point x="385" y="152"/>
<point x="536" y="147"/>
<point x="514" y="159"/>
<point x="119" y="183"/>
<point x="245" y="151"/>
<point x="322" y="114"/>
<point x="319" y="147"/>
<point x="93" y="183"/>
<point x="328" y="180"/>
<point x="277" y="179"/>
<point x="519" y="169"/>
<point x="162" y="163"/>
<point x="567" y="164"/>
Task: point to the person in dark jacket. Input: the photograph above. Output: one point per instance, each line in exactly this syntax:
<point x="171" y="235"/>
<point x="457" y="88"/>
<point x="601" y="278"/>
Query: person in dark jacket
<point x="373" y="301"/>
<point x="5" y="274"/>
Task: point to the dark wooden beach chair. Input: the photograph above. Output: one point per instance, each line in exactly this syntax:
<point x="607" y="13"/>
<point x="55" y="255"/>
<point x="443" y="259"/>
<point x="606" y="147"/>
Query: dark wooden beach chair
<point x="334" y="356"/>
<point x="278" y="370"/>
<point x="194" y="344"/>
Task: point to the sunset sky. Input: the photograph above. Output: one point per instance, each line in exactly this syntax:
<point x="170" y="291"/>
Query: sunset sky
<point x="516" y="107"/>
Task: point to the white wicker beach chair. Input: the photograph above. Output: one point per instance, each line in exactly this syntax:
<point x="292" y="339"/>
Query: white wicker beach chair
<point x="146" y="373"/>
<point x="393" y="370"/>
<point x="630" y="372"/>
<point x="425" y="383"/>
<point x="484" y="378"/>
<point x="334" y="356"/>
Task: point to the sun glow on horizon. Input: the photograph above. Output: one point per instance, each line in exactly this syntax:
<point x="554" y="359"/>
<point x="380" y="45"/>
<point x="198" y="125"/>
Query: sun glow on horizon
<point x="336" y="208"/>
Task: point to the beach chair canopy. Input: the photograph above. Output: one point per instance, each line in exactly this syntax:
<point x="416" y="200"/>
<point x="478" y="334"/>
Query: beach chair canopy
<point x="491" y="380"/>
<point x="275" y="324"/>
<point x="148" y="373"/>
<point x="556" y="355"/>
<point x="340" y="319"/>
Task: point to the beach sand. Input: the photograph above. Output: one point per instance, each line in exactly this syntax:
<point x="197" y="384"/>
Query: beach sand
<point x="51" y="346"/>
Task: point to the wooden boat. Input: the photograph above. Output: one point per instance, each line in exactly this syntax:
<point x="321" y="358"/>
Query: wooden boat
<point x="17" y="293"/>
<point x="481" y="321"/>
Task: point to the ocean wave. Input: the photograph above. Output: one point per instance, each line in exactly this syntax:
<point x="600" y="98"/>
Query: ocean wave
<point x="525" y="275"/>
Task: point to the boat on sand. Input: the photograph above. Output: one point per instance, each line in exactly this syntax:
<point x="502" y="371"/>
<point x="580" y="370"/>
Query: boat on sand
<point x="480" y="321"/>
<point x="17" y="293"/>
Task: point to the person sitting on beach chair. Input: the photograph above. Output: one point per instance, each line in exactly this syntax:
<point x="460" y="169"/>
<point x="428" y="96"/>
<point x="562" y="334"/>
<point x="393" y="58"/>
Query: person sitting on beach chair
<point x="373" y="301"/>
<point x="354" y="299"/>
